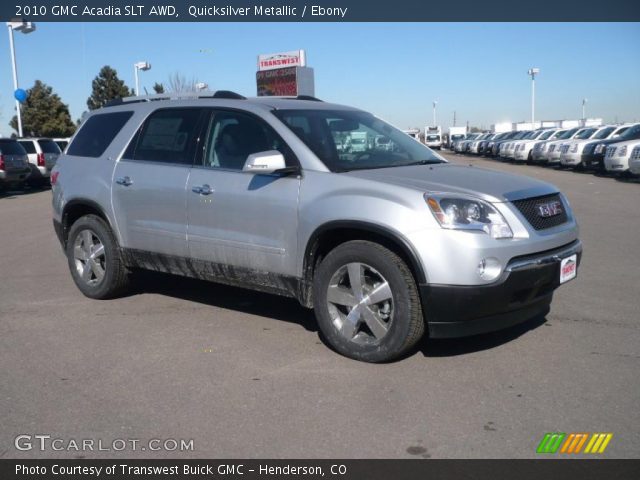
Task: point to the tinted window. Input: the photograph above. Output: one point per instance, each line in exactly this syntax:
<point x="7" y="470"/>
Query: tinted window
<point x="48" y="146"/>
<point x="62" y="144"/>
<point x="12" y="148"/>
<point x="167" y="136"/>
<point x="28" y="146"/>
<point x="632" y="133"/>
<point x="97" y="133"/>
<point x="233" y="136"/>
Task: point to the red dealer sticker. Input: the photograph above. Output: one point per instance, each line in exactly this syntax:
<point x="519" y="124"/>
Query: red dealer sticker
<point x="568" y="268"/>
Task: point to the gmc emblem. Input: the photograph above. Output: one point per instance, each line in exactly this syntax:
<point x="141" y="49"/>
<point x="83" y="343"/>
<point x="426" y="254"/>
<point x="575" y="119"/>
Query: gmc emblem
<point x="550" y="209"/>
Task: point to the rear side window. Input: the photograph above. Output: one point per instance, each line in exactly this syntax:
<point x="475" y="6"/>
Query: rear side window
<point x="97" y="133"/>
<point x="28" y="146"/>
<point x="167" y="136"/>
<point x="48" y="146"/>
<point x="12" y="148"/>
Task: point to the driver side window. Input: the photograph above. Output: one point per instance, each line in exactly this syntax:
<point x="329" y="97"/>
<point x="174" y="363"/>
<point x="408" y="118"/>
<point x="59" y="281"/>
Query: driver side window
<point x="233" y="136"/>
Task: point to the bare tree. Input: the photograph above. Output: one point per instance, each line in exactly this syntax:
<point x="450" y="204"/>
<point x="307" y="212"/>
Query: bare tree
<point x="179" y="83"/>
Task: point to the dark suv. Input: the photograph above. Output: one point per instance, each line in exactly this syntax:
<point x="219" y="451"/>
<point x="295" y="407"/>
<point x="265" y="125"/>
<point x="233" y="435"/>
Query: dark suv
<point x="14" y="163"/>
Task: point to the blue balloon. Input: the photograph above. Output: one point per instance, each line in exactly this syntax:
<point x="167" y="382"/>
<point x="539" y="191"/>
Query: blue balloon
<point x="20" y="95"/>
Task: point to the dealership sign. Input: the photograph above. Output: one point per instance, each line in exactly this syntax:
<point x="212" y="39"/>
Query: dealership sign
<point x="291" y="81"/>
<point x="271" y="61"/>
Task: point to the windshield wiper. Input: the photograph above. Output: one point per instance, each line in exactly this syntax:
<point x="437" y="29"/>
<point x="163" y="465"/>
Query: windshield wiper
<point x="432" y="161"/>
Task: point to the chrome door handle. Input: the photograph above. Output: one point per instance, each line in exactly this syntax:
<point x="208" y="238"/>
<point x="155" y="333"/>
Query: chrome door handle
<point x="202" y="189"/>
<point x="126" y="181"/>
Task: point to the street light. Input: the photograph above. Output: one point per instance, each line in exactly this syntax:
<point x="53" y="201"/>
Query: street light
<point x="435" y="103"/>
<point x="532" y="73"/>
<point x="584" y="109"/>
<point x="201" y="86"/>
<point x="144" y="66"/>
<point x="24" y="27"/>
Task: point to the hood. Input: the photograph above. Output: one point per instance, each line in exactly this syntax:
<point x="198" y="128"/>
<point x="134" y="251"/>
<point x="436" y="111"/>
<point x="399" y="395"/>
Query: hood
<point x="490" y="185"/>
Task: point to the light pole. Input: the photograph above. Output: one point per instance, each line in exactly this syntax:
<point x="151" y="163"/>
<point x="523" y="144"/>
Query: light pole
<point x="24" y="27"/>
<point x="584" y="109"/>
<point x="435" y="103"/>
<point x="144" y="66"/>
<point x="533" y="72"/>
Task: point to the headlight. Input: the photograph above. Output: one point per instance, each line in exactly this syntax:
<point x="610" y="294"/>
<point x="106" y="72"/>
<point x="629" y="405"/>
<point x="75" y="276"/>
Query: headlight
<point x="457" y="213"/>
<point x="622" y="151"/>
<point x="599" y="148"/>
<point x="574" y="149"/>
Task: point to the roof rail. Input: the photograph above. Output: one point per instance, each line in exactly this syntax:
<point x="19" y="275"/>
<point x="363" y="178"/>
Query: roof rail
<point x="308" y="97"/>
<point x="228" y="94"/>
<point x="175" y="96"/>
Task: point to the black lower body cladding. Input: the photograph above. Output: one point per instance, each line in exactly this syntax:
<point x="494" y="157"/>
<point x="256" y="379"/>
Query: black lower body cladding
<point x="458" y="311"/>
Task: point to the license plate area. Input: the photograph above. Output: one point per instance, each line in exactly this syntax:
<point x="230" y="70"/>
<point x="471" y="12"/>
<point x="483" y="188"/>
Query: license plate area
<point x="568" y="268"/>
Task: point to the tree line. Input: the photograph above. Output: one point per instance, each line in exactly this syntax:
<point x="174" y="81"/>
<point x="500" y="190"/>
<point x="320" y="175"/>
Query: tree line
<point x="45" y="115"/>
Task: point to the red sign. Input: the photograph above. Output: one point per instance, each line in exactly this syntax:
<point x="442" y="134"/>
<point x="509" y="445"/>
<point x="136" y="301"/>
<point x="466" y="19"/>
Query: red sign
<point x="280" y="82"/>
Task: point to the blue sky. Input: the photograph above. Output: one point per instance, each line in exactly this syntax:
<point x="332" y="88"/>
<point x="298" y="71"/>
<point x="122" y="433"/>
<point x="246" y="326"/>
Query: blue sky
<point x="394" y="70"/>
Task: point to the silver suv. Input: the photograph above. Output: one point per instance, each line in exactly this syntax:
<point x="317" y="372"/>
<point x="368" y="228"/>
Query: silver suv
<point x="384" y="243"/>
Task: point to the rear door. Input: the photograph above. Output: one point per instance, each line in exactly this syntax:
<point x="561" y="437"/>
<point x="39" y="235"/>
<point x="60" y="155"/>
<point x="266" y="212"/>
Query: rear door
<point x="242" y="219"/>
<point x="150" y="181"/>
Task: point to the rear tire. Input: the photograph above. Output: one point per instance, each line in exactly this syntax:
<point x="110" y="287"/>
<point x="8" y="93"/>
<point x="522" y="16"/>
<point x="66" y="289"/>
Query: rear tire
<point x="367" y="303"/>
<point x="94" y="259"/>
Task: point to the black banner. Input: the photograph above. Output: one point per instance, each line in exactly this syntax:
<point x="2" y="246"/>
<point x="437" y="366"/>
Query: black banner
<point x="321" y="11"/>
<point x="546" y="469"/>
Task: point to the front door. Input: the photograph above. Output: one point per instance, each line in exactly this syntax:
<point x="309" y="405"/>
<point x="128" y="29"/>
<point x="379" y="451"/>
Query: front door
<point x="236" y="218"/>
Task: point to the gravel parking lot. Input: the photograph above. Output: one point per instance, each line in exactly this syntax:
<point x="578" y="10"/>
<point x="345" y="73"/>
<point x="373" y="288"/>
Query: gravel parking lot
<point x="245" y="374"/>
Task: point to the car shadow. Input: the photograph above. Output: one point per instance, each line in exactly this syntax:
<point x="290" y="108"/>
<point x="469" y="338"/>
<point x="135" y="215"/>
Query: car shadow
<point x="289" y="310"/>
<point x="223" y="296"/>
<point x="451" y="347"/>
<point x="627" y="179"/>
<point x="12" y="193"/>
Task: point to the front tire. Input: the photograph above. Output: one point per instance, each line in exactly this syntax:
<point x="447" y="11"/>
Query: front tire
<point x="367" y="303"/>
<point x="94" y="259"/>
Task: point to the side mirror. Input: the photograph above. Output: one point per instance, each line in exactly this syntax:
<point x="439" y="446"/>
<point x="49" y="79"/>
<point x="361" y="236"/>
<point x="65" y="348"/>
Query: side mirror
<point x="264" y="163"/>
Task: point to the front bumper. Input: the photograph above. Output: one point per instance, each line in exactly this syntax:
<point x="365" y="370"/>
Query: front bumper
<point x="616" y="164"/>
<point x="570" y="158"/>
<point x="524" y="291"/>
<point x="593" y="161"/>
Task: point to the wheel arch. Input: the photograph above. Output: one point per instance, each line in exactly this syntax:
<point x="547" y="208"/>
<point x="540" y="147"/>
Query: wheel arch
<point x="331" y="234"/>
<point x="77" y="208"/>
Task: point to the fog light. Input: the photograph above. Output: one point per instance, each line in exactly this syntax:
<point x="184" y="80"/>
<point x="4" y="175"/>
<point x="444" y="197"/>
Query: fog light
<point x="489" y="268"/>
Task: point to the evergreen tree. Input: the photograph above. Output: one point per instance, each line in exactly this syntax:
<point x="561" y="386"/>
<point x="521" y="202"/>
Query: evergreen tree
<point x="44" y="114"/>
<point x="105" y="87"/>
<point x="158" y="87"/>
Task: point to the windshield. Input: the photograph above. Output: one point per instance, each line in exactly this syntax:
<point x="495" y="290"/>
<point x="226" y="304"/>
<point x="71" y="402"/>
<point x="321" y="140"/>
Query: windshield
<point x="546" y="134"/>
<point x="567" y="134"/>
<point x="632" y="133"/>
<point x="604" y="133"/>
<point x="520" y="135"/>
<point x="49" y="146"/>
<point x="11" y="147"/>
<point x="586" y="133"/>
<point x="331" y="135"/>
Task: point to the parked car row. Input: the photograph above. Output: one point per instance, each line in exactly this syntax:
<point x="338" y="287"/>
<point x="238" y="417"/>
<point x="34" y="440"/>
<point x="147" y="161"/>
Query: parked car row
<point x="611" y="148"/>
<point x="28" y="160"/>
